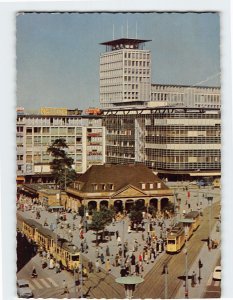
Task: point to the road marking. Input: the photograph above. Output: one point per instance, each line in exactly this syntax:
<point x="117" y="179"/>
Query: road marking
<point x="31" y="286"/>
<point x="209" y="280"/>
<point x="45" y="282"/>
<point x="38" y="285"/>
<point x="53" y="282"/>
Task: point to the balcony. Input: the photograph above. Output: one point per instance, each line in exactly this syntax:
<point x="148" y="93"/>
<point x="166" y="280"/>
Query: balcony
<point x="92" y="134"/>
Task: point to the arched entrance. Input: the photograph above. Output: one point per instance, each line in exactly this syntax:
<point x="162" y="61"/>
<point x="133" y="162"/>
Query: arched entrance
<point x="118" y="205"/>
<point x="140" y="204"/>
<point x="103" y="203"/>
<point x="92" y="205"/>
<point x="154" y="202"/>
<point x="128" y="204"/>
<point x="164" y="203"/>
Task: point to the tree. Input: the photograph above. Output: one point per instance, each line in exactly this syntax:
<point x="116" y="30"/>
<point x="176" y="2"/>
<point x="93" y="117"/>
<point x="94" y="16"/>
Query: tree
<point x="135" y="216"/>
<point x="100" y="219"/>
<point x="61" y="165"/>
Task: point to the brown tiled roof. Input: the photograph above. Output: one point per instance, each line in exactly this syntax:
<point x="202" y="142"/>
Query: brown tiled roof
<point x="120" y="176"/>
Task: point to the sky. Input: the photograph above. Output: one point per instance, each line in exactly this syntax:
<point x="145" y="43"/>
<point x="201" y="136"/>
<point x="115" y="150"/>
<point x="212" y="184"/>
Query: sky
<point x="58" y="53"/>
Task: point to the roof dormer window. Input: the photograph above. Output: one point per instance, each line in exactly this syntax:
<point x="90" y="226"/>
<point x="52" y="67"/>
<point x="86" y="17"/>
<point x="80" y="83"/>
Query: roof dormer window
<point x="143" y="186"/>
<point x="111" y="186"/>
<point x="95" y="186"/>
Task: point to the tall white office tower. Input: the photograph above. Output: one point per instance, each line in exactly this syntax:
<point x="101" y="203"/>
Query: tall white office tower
<point x="125" y="73"/>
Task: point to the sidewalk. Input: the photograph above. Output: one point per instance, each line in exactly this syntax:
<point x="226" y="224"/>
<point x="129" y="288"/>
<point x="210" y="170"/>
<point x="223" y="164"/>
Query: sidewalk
<point x="209" y="259"/>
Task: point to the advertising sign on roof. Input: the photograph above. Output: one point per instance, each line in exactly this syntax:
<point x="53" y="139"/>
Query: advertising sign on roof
<point x="57" y="111"/>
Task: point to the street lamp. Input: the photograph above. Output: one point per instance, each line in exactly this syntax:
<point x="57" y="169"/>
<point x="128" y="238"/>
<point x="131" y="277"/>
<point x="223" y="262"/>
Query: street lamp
<point x="210" y="200"/>
<point x="165" y="269"/>
<point x="129" y="284"/>
<point x="74" y="248"/>
<point x="123" y="242"/>
<point x="186" y="273"/>
<point x="175" y="203"/>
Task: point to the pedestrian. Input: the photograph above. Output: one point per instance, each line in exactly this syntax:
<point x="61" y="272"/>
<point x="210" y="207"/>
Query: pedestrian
<point x="117" y="234"/>
<point x="66" y="291"/>
<point x="123" y="272"/>
<point x="116" y="259"/>
<point x="107" y="266"/>
<point x="102" y="258"/>
<point x="90" y="266"/>
<point x="137" y="269"/>
<point x="118" y="241"/>
<point x="45" y="222"/>
<point x="51" y="264"/>
<point x="143" y="236"/>
<point x="133" y="258"/>
<point x="107" y="251"/>
<point x="194" y="279"/>
<point x="129" y="229"/>
<point x="57" y="267"/>
<point x="97" y="252"/>
<point x="120" y="251"/>
<point x="97" y="266"/>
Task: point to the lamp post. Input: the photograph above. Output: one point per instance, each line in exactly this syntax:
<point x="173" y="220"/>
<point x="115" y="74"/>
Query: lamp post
<point x="186" y="273"/>
<point x="129" y="284"/>
<point x="74" y="248"/>
<point x="123" y="242"/>
<point x="165" y="267"/>
<point x="175" y="203"/>
<point x="210" y="199"/>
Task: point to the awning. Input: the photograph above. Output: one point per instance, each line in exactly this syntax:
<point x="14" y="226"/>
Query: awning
<point x="205" y="174"/>
<point x="20" y="178"/>
<point x="186" y="221"/>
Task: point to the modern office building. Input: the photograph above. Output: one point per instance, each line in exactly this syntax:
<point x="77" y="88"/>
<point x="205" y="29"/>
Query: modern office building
<point x="125" y="81"/>
<point x="84" y="135"/>
<point x="181" y="95"/>
<point x="125" y="73"/>
<point x="174" y="141"/>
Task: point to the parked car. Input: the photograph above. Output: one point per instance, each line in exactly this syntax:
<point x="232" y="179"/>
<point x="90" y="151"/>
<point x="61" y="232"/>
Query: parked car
<point x="23" y="289"/>
<point x="217" y="274"/>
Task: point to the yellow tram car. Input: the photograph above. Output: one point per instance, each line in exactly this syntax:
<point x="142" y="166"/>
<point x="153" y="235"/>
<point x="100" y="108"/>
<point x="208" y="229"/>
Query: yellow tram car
<point x="62" y="250"/>
<point x="175" y="239"/>
<point x="195" y="217"/>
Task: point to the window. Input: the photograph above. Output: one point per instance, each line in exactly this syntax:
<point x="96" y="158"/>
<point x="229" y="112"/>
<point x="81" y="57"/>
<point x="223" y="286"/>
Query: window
<point x="29" y="130"/>
<point x="151" y="186"/>
<point x="95" y="186"/>
<point x="111" y="186"/>
<point x="143" y="186"/>
<point x="159" y="185"/>
<point x="103" y="186"/>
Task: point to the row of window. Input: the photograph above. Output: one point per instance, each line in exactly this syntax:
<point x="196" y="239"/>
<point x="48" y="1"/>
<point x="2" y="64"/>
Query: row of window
<point x="136" y="55"/>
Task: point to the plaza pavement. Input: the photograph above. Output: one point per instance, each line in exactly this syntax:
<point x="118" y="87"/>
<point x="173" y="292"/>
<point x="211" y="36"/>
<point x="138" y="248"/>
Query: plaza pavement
<point x="122" y="228"/>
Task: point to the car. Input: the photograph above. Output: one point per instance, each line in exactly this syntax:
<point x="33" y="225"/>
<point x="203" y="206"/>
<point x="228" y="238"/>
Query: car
<point x="23" y="289"/>
<point x="217" y="274"/>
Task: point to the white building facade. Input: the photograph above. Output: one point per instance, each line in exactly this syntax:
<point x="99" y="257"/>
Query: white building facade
<point x="84" y="135"/>
<point x="181" y="95"/>
<point x="125" y="73"/>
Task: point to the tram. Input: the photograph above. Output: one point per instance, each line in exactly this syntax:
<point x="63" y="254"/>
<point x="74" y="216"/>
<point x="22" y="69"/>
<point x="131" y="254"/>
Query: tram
<point x="61" y="249"/>
<point x="195" y="217"/>
<point x="176" y="238"/>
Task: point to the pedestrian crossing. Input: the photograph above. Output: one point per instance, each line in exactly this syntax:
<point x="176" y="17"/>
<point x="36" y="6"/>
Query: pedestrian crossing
<point x="41" y="283"/>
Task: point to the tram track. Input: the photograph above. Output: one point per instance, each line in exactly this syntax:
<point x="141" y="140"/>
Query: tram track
<point x="154" y="282"/>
